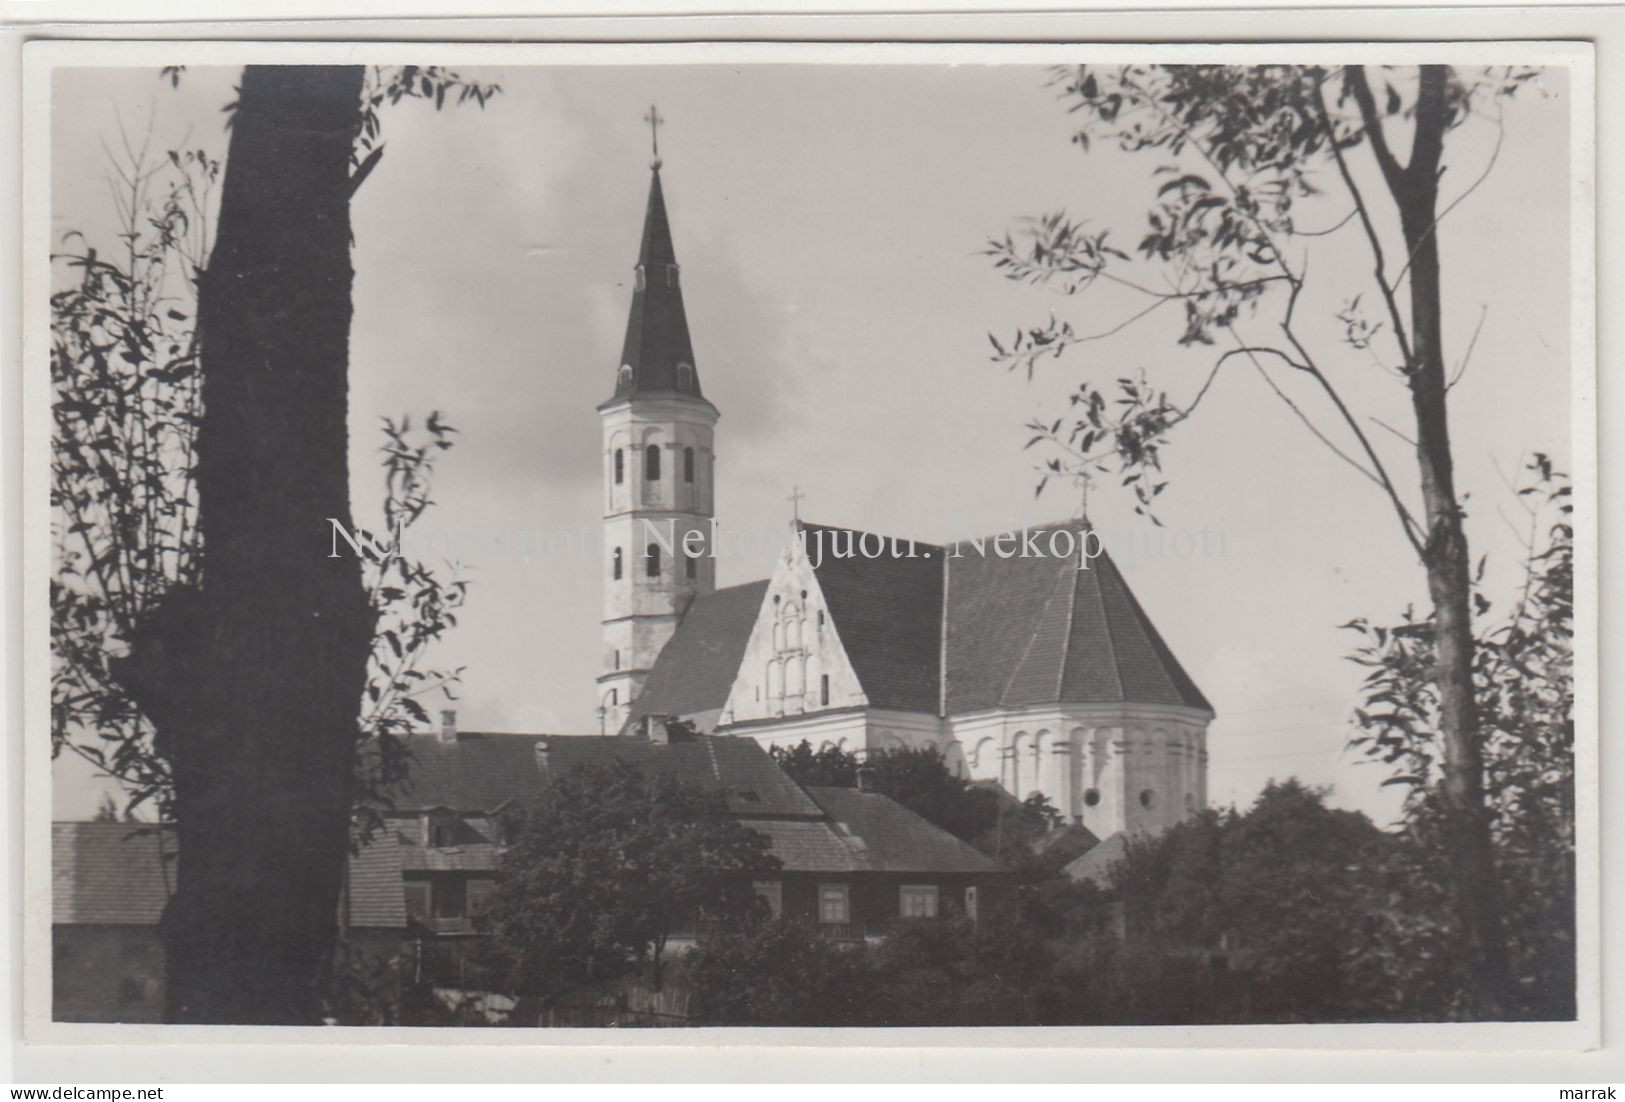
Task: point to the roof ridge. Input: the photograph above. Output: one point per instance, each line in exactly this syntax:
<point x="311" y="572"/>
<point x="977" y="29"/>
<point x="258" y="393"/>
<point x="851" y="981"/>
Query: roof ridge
<point x="1066" y="639"/>
<point x="1046" y="526"/>
<point x="1111" y="638"/>
<point x="1019" y="664"/>
<point x="802" y="525"/>
<point x="1166" y="660"/>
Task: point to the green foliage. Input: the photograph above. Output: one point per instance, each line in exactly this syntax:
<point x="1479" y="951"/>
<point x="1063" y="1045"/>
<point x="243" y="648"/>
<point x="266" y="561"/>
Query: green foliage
<point x="605" y="866"/>
<point x="778" y="973"/>
<point x="1524" y="687"/>
<point x="920" y="779"/>
<point x="1252" y="168"/>
<point x="830" y="767"/>
<point x="1275" y="914"/>
<point x="925" y="973"/>
<point x="124" y="370"/>
<point x="124" y="359"/>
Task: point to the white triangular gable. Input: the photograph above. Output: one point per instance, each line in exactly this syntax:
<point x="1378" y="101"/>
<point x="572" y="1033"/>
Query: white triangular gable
<point x="790" y="652"/>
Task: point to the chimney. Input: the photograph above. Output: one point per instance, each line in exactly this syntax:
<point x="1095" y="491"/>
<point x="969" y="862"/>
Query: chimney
<point x="866" y="778"/>
<point x="541" y="754"/>
<point x="654" y="729"/>
<point x="448" y="725"/>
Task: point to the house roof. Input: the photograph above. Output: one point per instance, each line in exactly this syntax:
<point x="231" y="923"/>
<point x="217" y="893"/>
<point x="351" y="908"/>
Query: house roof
<point x="1096" y="865"/>
<point x="1040" y="630"/>
<point x="887" y="611"/>
<point x="753" y="783"/>
<point x="963" y="630"/>
<point x="122" y="874"/>
<point x="110" y="874"/>
<point x="376" y="898"/>
<point x="657" y="337"/>
<point x="705" y="652"/>
<point x="808" y="845"/>
<point x="889" y="837"/>
<point x="472" y="773"/>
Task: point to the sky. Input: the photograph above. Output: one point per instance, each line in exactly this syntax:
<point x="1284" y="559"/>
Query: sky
<point x="830" y="222"/>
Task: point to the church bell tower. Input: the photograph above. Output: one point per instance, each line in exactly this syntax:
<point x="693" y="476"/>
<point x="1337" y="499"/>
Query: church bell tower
<point x="658" y="473"/>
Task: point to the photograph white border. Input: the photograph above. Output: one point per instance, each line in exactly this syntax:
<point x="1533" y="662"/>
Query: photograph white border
<point x="40" y="57"/>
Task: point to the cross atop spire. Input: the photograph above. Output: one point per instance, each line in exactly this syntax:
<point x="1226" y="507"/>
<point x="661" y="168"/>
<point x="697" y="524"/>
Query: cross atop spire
<point x="795" y="501"/>
<point x="657" y="357"/>
<point x="654" y="119"/>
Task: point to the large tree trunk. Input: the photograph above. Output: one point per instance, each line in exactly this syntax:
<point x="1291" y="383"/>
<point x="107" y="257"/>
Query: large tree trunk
<point x="254" y="681"/>
<point x="1477" y="894"/>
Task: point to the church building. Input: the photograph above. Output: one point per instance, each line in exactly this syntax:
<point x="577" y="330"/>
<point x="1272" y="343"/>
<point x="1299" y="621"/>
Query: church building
<point x="1040" y="672"/>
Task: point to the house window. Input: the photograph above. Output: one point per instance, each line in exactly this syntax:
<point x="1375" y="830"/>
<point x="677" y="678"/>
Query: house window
<point x="971" y="902"/>
<point x="691" y="564"/>
<point x="651" y="462"/>
<point x="651" y="560"/>
<point x="417" y="898"/>
<point x="688" y="464"/>
<point x="823" y="689"/>
<point x="450" y="898"/>
<point x="772" y="893"/>
<point x="442" y="831"/>
<point x="834" y="904"/>
<point x="615" y="563"/>
<point x="620" y="466"/>
<point x="479" y="893"/>
<point x="917" y="901"/>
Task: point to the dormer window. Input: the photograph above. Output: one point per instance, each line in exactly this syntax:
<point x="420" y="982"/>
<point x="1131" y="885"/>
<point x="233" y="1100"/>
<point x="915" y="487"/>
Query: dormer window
<point x="623" y="377"/>
<point x="641" y="279"/>
<point x="685" y="379"/>
<point x="441" y="829"/>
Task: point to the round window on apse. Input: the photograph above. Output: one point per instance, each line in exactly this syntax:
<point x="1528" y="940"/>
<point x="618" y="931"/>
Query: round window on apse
<point x="1092" y="797"/>
<point x="1146" y="798"/>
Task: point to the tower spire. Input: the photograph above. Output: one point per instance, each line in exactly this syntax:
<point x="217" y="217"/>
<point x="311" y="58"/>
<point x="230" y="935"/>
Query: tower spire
<point x="658" y="356"/>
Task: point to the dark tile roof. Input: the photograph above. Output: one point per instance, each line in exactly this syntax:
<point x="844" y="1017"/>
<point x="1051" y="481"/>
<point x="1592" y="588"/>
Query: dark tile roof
<point x="376" y="898"/>
<point x="887" y="612"/>
<point x="657" y="337"/>
<point x="752" y="781"/>
<point x="1096" y="865"/>
<point x="112" y="874"/>
<point x="697" y="667"/>
<point x="1038" y="630"/>
<point x="1021" y="631"/>
<point x="808" y="845"/>
<point x="117" y="874"/>
<point x="474" y="773"/>
<point x="891" y="838"/>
